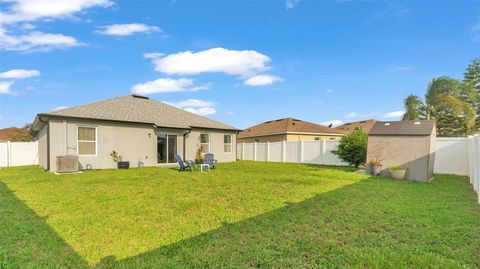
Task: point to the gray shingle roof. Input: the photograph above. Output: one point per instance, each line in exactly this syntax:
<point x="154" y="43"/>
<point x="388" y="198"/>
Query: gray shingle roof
<point x="133" y="108"/>
<point x="416" y="127"/>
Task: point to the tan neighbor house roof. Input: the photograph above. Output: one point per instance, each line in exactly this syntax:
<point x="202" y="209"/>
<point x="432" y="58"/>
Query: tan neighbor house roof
<point x="286" y="126"/>
<point x="366" y="125"/>
<point x="139" y="109"/>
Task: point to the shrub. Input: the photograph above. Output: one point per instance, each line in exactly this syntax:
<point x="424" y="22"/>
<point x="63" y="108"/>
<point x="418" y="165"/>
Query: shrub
<point x="353" y="147"/>
<point x="396" y="168"/>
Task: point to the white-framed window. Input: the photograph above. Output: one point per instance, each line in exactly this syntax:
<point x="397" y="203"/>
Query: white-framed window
<point x="205" y="143"/>
<point x="227" y="143"/>
<point x="86" y="141"/>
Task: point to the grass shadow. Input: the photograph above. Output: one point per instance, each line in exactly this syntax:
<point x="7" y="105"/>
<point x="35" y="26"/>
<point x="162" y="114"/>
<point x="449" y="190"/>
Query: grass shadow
<point x="26" y="241"/>
<point x="376" y="223"/>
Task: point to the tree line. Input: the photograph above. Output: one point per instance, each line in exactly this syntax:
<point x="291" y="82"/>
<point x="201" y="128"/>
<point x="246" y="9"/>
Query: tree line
<point x="454" y="104"/>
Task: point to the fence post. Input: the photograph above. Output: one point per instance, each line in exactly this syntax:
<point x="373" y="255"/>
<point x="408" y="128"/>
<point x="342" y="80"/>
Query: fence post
<point x="284" y="150"/>
<point x="243" y="151"/>
<point x="477" y="166"/>
<point x="268" y="151"/>
<point x="301" y="151"/>
<point x="9" y="153"/>
<point x="254" y="151"/>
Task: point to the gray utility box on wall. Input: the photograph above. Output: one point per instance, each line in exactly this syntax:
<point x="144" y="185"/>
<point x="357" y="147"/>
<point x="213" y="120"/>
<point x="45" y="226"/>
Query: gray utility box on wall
<point x="409" y="144"/>
<point x="67" y="163"/>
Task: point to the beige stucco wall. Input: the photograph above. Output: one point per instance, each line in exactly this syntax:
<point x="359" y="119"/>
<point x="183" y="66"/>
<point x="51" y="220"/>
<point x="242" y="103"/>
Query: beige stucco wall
<point x="263" y="139"/>
<point x="42" y="147"/>
<point x="130" y="140"/>
<point x="216" y="144"/>
<point x="299" y="137"/>
<point x="286" y="137"/>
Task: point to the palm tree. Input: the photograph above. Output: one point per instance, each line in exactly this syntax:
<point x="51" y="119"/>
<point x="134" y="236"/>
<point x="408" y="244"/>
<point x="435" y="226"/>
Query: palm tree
<point x="450" y="102"/>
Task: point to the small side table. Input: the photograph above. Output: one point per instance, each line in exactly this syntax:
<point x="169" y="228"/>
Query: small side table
<point x="204" y="167"/>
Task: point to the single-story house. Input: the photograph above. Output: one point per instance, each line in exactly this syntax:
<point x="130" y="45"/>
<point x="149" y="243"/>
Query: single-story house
<point x="288" y="129"/>
<point x="143" y="131"/>
<point x="365" y="125"/>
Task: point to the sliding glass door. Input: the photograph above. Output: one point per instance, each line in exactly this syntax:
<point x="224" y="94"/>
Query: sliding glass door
<point x="166" y="148"/>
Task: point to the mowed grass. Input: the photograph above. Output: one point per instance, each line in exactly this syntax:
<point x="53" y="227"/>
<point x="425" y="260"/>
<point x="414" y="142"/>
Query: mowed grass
<point x="245" y="214"/>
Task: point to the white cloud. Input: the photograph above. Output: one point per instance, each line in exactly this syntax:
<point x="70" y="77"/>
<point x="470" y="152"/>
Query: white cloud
<point x="27" y="26"/>
<point x="152" y="55"/>
<point x="5" y="87"/>
<point x="163" y="85"/>
<point x="18" y="11"/>
<point x="36" y="41"/>
<point x="334" y="123"/>
<point x="60" y="108"/>
<point x="243" y="63"/>
<point x="202" y="111"/>
<point x="289" y="4"/>
<point x="30" y="10"/>
<point x="192" y="103"/>
<point x="351" y="115"/>
<point x="19" y="74"/>
<point x="261" y="80"/>
<point x="329" y="91"/>
<point x="128" y="29"/>
<point x="394" y="114"/>
<point x="196" y="106"/>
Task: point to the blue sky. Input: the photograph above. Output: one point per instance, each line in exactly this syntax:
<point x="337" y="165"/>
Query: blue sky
<point x="239" y="62"/>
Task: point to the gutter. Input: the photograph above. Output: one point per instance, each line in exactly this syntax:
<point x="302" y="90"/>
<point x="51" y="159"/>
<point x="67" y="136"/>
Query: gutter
<point x="48" y="141"/>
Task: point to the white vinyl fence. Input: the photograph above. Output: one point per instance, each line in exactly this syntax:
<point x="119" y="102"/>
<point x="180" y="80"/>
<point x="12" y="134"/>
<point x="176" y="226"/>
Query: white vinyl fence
<point x="457" y="155"/>
<point x="474" y="163"/>
<point x="18" y="153"/>
<point x="315" y="152"/>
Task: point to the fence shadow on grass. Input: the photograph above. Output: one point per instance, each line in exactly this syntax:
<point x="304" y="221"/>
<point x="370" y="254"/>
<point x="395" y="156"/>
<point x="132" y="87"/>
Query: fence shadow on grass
<point x="377" y="223"/>
<point x="373" y="223"/>
<point x="26" y="241"/>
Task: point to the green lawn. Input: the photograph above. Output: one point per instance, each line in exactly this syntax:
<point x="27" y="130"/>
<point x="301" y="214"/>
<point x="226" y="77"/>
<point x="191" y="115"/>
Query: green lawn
<point x="245" y="214"/>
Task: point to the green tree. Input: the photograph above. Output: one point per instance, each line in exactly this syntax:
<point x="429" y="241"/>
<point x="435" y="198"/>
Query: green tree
<point x="25" y="134"/>
<point x="450" y="102"/>
<point x="472" y="76"/>
<point x="353" y="147"/>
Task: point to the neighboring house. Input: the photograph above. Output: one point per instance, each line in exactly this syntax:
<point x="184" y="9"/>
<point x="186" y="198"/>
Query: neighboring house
<point x="288" y="129"/>
<point x="7" y="134"/>
<point x="139" y="129"/>
<point x="365" y="125"/>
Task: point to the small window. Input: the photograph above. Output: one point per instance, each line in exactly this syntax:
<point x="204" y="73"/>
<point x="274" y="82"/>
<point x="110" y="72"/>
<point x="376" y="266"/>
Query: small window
<point x="87" y="141"/>
<point x="227" y="143"/>
<point x="333" y="138"/>
<point x="318" y="138"/>
<point x="204" y="143"/>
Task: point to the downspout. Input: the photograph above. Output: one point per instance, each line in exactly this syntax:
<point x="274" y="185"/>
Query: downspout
<point x="48" y="142"/>
<point x="185" y="144"/>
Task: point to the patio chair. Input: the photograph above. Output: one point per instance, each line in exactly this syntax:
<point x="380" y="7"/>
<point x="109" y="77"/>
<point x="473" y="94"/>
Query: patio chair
<point x="210" y="160"/>
<point x="184" y="165"/>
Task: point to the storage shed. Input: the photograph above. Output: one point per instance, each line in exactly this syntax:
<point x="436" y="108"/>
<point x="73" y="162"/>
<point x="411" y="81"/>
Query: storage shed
<point x="409" y="144"/>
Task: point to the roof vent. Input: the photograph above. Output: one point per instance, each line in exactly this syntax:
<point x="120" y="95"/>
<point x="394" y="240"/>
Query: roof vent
<point x="417" y="123"/>
<point x="139" y="96"/>
<point x="387" y="123"/>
